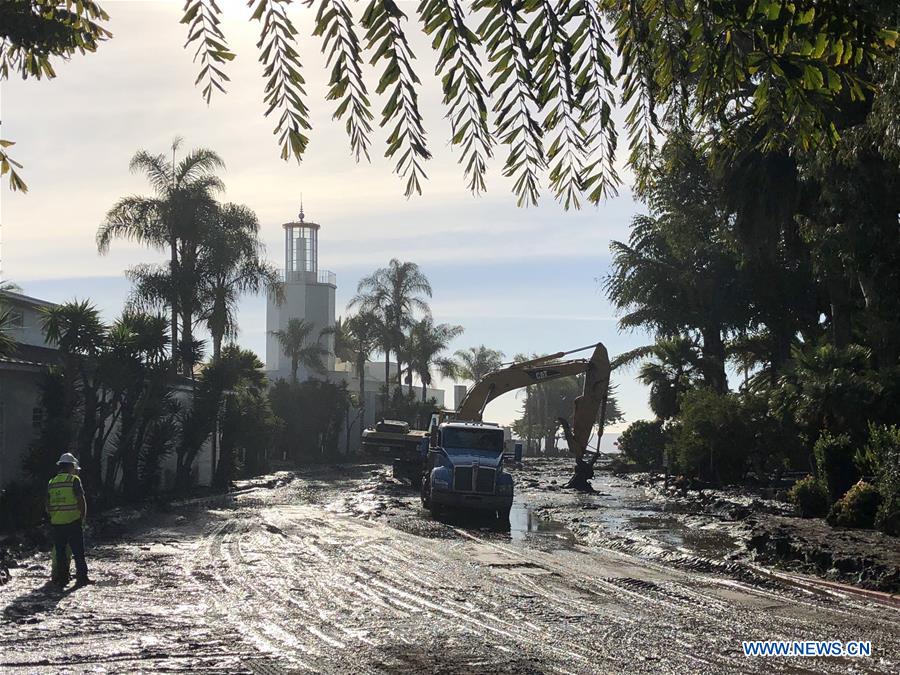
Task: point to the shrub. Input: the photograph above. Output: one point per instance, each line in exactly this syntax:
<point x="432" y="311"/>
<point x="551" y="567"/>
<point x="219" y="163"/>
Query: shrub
<point x="834" y="461"/>
<point x="857" y="508"/>
<point x="643" y="443"/>
<point x="810" y="497"/>
<point x="712" y="439"/>
<point x="882" y="453"/>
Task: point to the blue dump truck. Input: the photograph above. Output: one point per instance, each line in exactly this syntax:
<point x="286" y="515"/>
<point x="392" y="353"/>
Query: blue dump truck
<point x="464" y="469"/>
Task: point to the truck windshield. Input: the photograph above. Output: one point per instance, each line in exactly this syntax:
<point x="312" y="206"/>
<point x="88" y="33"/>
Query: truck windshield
<point x="473" y="439"/>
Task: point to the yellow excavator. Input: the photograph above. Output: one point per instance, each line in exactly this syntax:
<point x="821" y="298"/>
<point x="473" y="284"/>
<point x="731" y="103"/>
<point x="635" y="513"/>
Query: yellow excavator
<point x="408" y="448"/>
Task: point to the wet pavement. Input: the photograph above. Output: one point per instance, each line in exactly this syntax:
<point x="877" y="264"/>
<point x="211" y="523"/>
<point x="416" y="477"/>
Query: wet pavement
<point x="339" y="570"/>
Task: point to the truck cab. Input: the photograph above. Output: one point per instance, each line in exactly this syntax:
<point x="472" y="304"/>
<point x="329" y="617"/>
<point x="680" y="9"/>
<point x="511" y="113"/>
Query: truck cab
<point x="464" y="469"/>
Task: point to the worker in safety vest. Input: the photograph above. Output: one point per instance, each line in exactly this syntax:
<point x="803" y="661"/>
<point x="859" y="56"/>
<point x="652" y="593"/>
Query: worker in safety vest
<point x="68" y="509"/>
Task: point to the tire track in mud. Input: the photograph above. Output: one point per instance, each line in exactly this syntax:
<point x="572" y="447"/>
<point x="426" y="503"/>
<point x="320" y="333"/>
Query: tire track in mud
<point x="366" y="579"/>
<point x="414" y="564"/>
<point x="272" y="641"/>
<point x="346" y="594"/>
<point x="362" y="573"/>
<point x="689" y="597"/>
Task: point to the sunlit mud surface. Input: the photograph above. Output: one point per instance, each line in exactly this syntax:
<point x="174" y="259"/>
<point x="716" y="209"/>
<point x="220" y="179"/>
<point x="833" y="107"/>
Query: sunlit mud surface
<point x="340" y="570"/>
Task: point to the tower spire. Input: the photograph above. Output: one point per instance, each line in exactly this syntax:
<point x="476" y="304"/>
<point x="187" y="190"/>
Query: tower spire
<point x="302" y="215"/>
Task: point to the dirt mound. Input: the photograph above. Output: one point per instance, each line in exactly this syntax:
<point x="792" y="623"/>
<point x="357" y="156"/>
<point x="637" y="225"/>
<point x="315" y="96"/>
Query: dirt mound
<point x="865" y="558"/>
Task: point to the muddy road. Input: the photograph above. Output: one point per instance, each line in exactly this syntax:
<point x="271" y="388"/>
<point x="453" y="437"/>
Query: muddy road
<point x="341" y="571"/>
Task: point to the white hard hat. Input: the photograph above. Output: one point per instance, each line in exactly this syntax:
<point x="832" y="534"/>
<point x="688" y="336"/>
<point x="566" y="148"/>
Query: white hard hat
<point x="68" y="458"/>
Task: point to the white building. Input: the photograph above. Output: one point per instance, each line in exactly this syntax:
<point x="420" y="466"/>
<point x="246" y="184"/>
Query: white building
<point x="21" y="413"/>
<point x="308" y="295"/>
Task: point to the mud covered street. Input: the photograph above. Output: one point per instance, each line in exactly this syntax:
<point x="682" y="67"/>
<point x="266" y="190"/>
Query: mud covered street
<point x="340" y="570"/>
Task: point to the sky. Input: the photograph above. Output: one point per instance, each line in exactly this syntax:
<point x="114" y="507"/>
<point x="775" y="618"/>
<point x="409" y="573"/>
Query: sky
<point x="517" y="279"/>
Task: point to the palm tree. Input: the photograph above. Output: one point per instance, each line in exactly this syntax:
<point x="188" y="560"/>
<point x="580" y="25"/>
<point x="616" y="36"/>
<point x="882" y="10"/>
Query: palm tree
<point x="356" y="339"/>
<point x="476" y="362"/>
<point x="7" y="342"/>
<point x="239" y="373"/>
<point x="80" y="336"/>
<point x="392" y="294"/>
<point x="676" y="366"/>
<point x="231" y="264"/>
<point x="137" y="402"/>
<point x="172" y="219"/>
<point x="295" y="343"/>
<point x="427" y="343"/>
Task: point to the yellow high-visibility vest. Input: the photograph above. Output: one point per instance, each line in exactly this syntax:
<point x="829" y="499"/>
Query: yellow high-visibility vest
<point x="63" y="502"/>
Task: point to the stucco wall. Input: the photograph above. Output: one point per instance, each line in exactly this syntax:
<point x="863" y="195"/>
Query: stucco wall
<point x="19" y="396"/>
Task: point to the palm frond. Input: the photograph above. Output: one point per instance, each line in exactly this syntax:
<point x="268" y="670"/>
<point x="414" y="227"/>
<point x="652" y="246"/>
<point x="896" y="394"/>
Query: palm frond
<point x="196" y="171"/>
<point x="134" y="218"/>
<point x="514" y="89"/>
<point x="157" y="169"/>
<point x="340" y="43"/>
<point x="385" y="37"/>
<point x="465" y="96"/>
<point x="595" y="82"/>
<point x="203" y="19"/>
<point x="284" y="87"/>
<point x="8" y="166"/>
<point x="554" y="53"/>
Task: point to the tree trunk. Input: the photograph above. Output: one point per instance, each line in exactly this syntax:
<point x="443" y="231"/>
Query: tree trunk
<point x="424" y="392"/>
<point x="880" y="325"/>
<point x="173" y="270"/>
<point x="840" y="302"/>
<point x="361" y="371"/>
<point x="387" y="378"/>
<point x="217" y="346"/>
<point x="714" y="360"/>
<point x="187" y="347"/>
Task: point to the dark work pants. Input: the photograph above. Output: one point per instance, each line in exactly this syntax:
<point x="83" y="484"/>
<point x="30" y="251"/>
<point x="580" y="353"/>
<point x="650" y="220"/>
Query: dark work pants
<point x="72" y="536"/>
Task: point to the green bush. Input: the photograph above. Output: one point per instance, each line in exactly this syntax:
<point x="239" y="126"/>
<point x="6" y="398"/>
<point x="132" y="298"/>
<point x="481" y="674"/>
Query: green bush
<point x="810" y="497"/>
<point x="857" y="508"/>
<point x="643" y="443"/>
<point x="712" y="440"/>
<point x="834" y="461"/>
<point x="882" y="453"/>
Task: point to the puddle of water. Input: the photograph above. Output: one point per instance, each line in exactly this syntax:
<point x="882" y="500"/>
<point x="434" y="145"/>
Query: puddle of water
<point x="626" y="508"/>
<point x="525" y="525"/>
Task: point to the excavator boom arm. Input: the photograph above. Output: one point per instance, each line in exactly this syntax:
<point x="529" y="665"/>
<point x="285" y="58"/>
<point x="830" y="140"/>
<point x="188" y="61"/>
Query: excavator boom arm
<point x="587" y="406"/>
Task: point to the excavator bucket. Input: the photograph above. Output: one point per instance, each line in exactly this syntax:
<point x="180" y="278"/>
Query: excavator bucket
<point x="590" y="408"/>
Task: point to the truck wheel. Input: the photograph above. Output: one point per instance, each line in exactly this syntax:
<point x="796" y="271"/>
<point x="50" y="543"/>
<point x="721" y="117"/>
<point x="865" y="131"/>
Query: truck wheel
<point x="503" y="516"/>
<point x="437" y="511"/>
<point x="425" y="493"/>
<point x="397" y="470"/>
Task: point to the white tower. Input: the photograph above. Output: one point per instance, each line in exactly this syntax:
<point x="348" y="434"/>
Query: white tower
<point x="308" y="295"/>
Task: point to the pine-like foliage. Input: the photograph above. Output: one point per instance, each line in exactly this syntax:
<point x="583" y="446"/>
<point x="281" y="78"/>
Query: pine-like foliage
<point x="340" y="43"/>
<point x="464" y="92"/>
<point x="385" y="38"/>
<point x="771" y="76"/>
<point x="203" y="18"/>
<point x="284" y="90"/>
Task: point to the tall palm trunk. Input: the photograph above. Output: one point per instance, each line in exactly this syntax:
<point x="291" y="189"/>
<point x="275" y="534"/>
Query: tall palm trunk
<point x="173" y="275"/>
<point x="387" y="377"/>
<point x="361" y="372"/>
